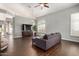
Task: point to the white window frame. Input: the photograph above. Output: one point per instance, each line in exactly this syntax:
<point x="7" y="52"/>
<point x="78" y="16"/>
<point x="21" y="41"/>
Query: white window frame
<point x="75" y="24"/>
<point x="41" y="23"/>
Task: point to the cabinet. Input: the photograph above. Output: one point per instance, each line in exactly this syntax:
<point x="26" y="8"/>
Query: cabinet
<point x="26" y="30"/>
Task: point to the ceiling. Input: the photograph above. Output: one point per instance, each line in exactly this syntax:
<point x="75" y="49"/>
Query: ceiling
<point x="28" y="9"/>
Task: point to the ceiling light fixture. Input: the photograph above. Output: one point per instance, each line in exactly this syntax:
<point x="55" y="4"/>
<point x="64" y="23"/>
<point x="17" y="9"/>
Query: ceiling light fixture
<point x="42" y="5"/>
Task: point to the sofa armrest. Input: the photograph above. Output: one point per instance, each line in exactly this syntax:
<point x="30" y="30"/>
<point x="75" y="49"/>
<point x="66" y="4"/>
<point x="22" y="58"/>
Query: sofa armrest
<point x="41" y="43"/>
<point x="52" y="40"/>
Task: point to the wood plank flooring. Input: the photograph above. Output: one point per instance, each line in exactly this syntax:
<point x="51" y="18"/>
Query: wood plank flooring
<point x="24" y="47"/>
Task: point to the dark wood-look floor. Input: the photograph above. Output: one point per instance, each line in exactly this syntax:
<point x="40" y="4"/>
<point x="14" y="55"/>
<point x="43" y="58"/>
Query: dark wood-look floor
<point x="24" y="47"/>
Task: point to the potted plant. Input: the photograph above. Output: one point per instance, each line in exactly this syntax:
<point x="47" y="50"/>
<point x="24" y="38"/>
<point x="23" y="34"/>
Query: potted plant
<point x="35" y="30"/>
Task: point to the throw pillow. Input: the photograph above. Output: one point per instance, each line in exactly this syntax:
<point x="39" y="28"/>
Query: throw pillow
<point x="45" y="37"/>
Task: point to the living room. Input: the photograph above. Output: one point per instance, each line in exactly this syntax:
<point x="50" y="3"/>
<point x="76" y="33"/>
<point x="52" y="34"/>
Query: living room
<point x="39" y="29"/>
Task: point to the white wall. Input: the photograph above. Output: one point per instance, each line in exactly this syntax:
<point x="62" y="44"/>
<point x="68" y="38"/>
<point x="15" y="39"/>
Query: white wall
<point x="1" y="22"/>
<point x="18" y="21"/>
<point x="60" y="22"/>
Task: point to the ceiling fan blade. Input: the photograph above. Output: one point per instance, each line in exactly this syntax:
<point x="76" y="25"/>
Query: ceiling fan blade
<point x="46" y="6"/>
<point x="36" y="5"/>
<point x="45" y="3"/>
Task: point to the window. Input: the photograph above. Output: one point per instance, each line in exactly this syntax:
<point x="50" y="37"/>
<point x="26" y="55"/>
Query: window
<point x="75" y="24"/>
<point x="41" y="26"/>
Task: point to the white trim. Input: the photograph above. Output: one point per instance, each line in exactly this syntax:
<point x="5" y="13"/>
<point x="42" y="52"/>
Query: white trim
<point x="70" y="40"/>
<point x="17" y="36"/>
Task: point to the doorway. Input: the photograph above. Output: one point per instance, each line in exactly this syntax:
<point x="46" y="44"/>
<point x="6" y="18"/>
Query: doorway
<point x="7" y="28"/>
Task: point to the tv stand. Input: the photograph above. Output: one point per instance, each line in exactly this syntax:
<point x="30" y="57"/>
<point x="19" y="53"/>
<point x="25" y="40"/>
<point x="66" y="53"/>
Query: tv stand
<point x="27" y="34"/>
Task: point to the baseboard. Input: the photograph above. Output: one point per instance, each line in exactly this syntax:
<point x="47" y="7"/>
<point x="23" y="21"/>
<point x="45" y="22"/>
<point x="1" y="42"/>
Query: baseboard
<point x="15" y="37"/>
<point x="70" y="40"/>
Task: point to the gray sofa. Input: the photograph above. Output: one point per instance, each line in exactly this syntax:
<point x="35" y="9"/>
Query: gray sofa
<point x="45" y="44"/>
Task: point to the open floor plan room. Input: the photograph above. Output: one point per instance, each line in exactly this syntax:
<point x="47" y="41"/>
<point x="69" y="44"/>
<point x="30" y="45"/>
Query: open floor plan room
<point x="39" y="29"/>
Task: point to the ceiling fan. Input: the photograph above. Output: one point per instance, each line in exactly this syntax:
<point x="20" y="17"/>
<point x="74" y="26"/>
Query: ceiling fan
<point x="42" y="5"/>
